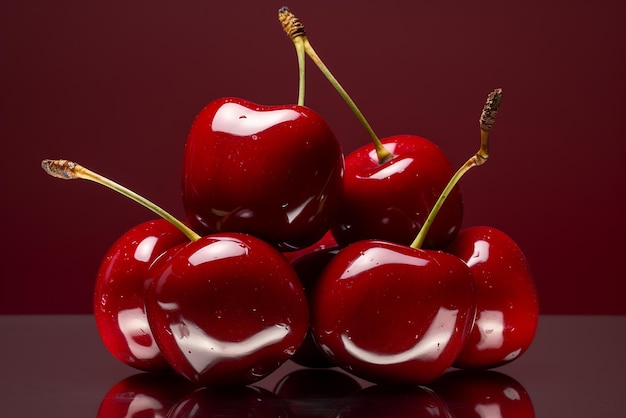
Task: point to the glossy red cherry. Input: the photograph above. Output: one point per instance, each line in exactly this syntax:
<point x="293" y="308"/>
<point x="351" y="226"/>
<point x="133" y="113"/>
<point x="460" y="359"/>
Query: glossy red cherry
<point x="118" y="296"/>
<point x="391" y="200"/>
<point x="271" y="171"/>
<point x="391" y="313"/>
<point x="144" y="395"/>
<point x="483" y="393"/>
<point x="226" y="309"/>
<point x="390" y="185"/>
<point x="506" y="297"/>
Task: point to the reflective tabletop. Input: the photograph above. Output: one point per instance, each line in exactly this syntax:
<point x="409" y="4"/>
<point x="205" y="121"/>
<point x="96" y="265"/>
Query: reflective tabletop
<point x="56" y="366"/>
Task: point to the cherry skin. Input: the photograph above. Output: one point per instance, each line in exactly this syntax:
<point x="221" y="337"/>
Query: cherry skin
<point x="483" y="393"/>
<point x="390" y="201"/>
<point x="118" y="296"/>
<point x="271" y="171"/>
<point x="506" y="298"/>
<point x="390" y="313"/>
<point x="226" y="309"/>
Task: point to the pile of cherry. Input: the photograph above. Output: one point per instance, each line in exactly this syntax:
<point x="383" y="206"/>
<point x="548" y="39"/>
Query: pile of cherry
<point x="292" y="250"/>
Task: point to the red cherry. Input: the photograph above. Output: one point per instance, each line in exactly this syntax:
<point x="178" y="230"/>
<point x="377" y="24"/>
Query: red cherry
<point x="118" y="297"/>
<point x="226" y="309"/>
<point x="506" y="298"/>
<point x="390" y="186"/>
<point x="483" y="393"/>
<point x="144" y="395"/>
<point x="391" y="200"/>
<point x="271" y="171"/>
<point x="391" y="313"/>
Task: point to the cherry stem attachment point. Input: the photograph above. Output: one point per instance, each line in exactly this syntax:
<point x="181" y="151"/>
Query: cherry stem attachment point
<point x="69" y="170"/>
<point x="487" y="119"/>
<point x="297" y="33"/>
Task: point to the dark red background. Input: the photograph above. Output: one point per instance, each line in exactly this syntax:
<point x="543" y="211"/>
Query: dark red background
<point x="115" y="86"/>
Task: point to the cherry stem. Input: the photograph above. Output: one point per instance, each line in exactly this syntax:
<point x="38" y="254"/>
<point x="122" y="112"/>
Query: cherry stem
<point x="69" y="170"/>
<point x="487" y="119"/>
<point x="296" y="32"/>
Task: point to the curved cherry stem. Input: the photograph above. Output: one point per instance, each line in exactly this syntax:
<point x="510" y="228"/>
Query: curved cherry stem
<point x="487" y="119"/>
<point x="296" y="32"/>
<point x="69" y="170"/>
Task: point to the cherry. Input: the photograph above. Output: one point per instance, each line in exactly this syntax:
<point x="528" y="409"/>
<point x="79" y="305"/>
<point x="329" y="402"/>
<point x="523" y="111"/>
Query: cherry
<point x="226" y="309"/>
<point x="375" y="203"/>
<point x="399" y="314"/>
<point x="271" y="171"/>
<point x="118" y="297"/>
<point x="144" y="395"/>
<point x="121" y="280"/>
<point x="483" y="393"/>
<point x="506" y="297"/>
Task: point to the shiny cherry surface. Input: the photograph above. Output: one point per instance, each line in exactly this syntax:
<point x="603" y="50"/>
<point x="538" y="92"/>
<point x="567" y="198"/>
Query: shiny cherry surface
<point x="271" y="171"/>
<point x="506" y="297"/>
<point x="118" y="297"/>
<point x="391" y="201"/>
<point x="390" y="313"/>
<point x="227" y="309"/>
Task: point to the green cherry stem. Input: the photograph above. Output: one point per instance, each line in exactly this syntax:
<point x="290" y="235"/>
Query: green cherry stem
<point x="69" y="170"/>
<point x="297" y="33"/>
<point x="487" y="119"/>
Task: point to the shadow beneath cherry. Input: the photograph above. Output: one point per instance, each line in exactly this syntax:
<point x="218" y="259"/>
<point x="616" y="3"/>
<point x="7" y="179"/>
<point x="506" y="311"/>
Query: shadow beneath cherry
<point x="317" y="393"/>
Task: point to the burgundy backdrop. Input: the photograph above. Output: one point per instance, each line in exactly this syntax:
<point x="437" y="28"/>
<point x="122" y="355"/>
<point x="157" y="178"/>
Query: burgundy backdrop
<point x="115" y="86"/>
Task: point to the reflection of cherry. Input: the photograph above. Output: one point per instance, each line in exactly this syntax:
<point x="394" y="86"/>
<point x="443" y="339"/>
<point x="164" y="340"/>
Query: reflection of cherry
<point x="483" y="393"/>
<point x="240" y="401"/>
<point x="144" y="395"/>
<point x="395" y="402"/>
<point x="316" y="392"/>
<point x="118" y="297"/>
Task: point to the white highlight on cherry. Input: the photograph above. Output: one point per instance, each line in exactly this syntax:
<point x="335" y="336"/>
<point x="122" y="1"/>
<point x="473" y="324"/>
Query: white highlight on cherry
<point x="234" y="119"/>
<point x="429" y="347"/>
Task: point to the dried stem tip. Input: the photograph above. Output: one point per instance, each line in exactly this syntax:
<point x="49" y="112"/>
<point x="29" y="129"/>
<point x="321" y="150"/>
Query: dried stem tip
<point x="488" y="116"/>
<point x="62" y="169"/>
<point x="291" y="24"/>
